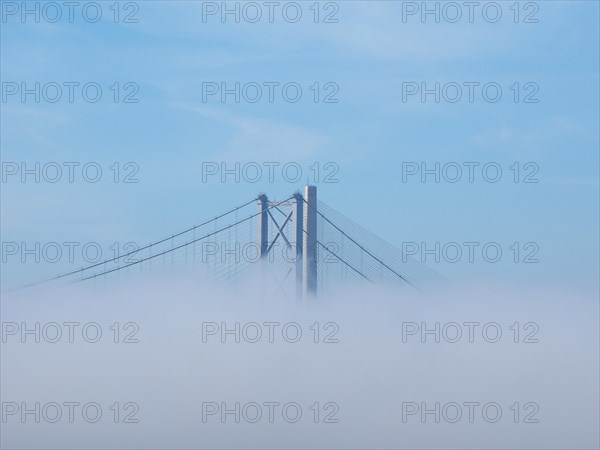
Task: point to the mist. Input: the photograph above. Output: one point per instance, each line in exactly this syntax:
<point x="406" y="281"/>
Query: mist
<point x="363" y="367"/>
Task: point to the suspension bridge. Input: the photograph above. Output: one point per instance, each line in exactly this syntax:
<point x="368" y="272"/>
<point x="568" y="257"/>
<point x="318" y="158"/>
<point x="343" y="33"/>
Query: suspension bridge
<point x="299" y="246"/>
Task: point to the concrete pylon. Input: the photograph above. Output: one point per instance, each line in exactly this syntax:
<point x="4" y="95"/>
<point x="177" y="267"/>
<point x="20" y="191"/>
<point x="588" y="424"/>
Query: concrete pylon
<point x="263" y="224"/>
<point x="298" y="224"/>
<point x="309" y="244"/>
<point x="263" y="239"/>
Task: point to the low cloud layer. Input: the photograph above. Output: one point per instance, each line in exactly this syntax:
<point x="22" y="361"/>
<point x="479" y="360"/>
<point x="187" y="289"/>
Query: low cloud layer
<point x="515" y="367"/>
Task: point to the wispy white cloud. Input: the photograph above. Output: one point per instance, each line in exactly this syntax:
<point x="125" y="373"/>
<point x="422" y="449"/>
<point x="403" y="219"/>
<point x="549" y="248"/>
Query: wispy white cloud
<point x="515" y="138"/>
<point x="263" y="139"/>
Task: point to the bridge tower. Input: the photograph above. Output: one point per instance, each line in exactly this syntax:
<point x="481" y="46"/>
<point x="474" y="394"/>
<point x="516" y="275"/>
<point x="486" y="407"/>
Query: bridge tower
<point x="303" y="239"/>
<point x="309" y="245"/>
<point x="263" y="225"/>
<point x="298" y="224"/>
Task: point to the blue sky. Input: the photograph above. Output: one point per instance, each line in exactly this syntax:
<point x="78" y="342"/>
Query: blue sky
<point x="369" y="133"/>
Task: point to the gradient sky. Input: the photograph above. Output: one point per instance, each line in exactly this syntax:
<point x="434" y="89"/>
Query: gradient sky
<point x="369" y="133"/>
<point x="368" y="52"/>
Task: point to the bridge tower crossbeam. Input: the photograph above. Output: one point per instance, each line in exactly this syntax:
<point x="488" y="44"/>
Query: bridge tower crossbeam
<point x="302" y="240"/>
